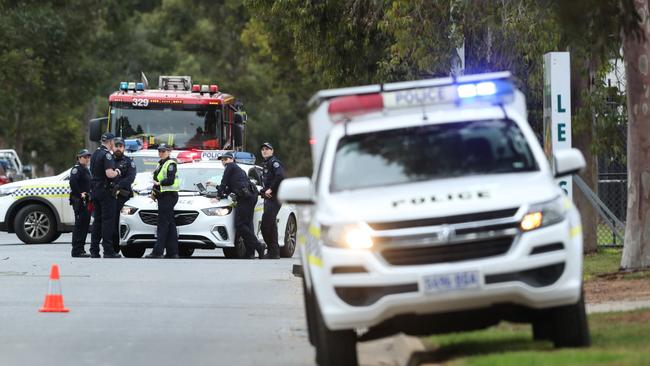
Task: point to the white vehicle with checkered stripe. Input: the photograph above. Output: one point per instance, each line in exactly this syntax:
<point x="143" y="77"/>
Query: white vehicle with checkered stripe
<point x="202" y="220"/>
<point x="434" y="209"/>
<point x="37" y="210"/>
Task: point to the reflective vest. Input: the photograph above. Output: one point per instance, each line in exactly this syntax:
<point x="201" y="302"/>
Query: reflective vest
<point x="162" y="174"/>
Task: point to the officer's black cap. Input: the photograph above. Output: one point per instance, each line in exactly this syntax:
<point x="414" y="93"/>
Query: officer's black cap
<point x="107" y="137"/>
<point x="164" y="147"/>
<point x="227" y="155"/>
<point x="118" y="141"/>
<point x="267" y="144"/>
<point x="83" y="152"/>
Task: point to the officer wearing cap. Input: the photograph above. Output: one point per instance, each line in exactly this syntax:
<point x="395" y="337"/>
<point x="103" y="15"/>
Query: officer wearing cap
<point x="235" y="180"/>
<point x="167" y="182"/>
<point x="122" y="189"/>
<point x="79" y="197"/>
<point x="272" y="175"/>
<point x="102" y="168"/>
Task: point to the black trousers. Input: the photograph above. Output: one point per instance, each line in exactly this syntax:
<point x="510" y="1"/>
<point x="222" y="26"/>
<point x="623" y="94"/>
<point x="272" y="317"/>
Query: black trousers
<point x="166" y="235"/>
<point x="81" y="224"/>
<point x="104" y="224"/>
<point x="270" y="225"/>
<point x="244" y="223"/>
<point x="119" y="204"/>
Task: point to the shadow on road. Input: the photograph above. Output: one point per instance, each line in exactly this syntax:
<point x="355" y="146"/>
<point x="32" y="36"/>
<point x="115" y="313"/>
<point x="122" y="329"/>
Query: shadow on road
<point x="450" y="352"/>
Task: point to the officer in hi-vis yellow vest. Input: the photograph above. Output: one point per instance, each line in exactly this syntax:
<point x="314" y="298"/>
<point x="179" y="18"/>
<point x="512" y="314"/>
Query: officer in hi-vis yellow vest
<point x="167" y="182"/>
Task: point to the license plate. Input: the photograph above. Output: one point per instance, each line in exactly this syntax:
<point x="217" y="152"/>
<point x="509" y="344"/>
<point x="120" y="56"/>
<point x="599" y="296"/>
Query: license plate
<point x="434" y="284"/>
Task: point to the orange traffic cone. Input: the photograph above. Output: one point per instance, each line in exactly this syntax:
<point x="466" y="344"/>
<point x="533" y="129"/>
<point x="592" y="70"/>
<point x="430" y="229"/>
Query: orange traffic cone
<point x="54" y="299"/>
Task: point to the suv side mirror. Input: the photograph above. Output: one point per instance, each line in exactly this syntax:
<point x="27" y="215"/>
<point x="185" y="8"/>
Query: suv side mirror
<point x="567" y="162"/>
<point x="299" y="191"/>
<point x="27" y="169"/>
<point x="96" y="127"/>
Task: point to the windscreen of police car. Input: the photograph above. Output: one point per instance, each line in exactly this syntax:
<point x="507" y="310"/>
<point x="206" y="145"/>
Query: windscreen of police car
<point x="145" y="163"/>
<point x="437" y="151"/>
<point x="190" y="176"/>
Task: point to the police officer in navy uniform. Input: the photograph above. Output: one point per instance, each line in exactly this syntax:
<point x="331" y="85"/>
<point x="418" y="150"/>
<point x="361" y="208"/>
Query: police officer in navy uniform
<point x="79" y="197"/>
<point x="167" y="182"/>
<point x="235" y="180"/>
<point x="122" y="189"/>
<point x="271" y="177"/>
<point x="102" y="168"/>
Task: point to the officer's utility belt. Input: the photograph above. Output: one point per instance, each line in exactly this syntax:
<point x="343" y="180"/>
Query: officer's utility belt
<point x="75" y="200"/>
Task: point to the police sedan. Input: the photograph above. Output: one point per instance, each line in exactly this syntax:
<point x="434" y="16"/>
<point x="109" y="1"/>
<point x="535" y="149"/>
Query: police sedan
<point x="202" y="220"/>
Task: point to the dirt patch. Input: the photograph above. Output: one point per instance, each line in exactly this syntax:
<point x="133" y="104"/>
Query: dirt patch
<point x="615" y="287"/>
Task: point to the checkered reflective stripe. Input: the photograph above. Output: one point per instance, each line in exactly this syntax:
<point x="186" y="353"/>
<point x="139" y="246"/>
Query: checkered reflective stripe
<point x="58" y="190"/>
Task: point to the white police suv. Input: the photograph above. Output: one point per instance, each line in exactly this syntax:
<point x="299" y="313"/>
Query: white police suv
<point x="37" y="210"/>
<point x="202" y="220"/>
<point x="433" y="209"/>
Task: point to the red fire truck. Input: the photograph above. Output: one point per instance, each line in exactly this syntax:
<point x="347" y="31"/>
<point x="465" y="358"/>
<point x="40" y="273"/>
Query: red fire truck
<point x="181" y="114"/>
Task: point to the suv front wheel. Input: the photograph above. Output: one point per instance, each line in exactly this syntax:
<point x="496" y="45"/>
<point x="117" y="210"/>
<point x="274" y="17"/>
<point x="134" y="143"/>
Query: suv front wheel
<point x="334" y="347"/>
<point x="35" y="224"/>
<point x="569" y="326"/>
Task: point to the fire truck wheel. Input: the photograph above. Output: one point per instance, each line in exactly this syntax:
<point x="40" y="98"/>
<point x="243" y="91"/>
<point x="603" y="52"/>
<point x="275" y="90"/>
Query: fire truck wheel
<point x="35" y="224"/>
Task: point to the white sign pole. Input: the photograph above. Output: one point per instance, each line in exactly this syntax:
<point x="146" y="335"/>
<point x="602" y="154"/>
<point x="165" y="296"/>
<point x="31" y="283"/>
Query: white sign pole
<point x="557" y="109"/>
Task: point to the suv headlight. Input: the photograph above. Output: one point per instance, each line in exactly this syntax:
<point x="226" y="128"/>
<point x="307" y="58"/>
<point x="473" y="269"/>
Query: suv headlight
<point x="217" y="211"/>
<point x="7" y="191"/>
<point x="128" y="210"/>
<point x="544" y="214"/>
<point x="353" y="236"/>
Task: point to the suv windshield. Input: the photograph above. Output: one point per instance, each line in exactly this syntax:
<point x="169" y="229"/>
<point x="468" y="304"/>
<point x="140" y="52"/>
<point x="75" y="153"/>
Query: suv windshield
<point x="182" y="129"/>
<point x="430" y="152"/>
<point x="189" y="177"/>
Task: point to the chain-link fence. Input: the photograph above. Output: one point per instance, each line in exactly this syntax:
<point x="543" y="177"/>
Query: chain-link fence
<point x="612" y="191"/>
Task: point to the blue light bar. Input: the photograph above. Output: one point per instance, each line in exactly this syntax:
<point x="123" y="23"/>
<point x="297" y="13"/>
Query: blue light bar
<point x="132" y="145"/>
<point x="496" y="90"/>
<point x="139" y="86"/>
<point x="124" y="85"/>
<point x="245" y="157"/>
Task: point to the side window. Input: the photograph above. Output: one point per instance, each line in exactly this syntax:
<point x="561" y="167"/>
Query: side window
<point x="255" y="173"/>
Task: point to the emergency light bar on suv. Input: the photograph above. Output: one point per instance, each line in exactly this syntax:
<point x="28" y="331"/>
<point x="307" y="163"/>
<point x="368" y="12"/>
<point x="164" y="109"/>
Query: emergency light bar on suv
<point x="494" y="88"/>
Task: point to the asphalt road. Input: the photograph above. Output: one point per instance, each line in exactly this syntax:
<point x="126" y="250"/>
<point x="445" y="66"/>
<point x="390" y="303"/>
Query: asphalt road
<point x="206" y="310"/>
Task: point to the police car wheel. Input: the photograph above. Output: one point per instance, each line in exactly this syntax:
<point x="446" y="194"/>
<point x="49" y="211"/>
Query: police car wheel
<point x="310" y="315"/>
<point x="570" y="327"/>
<point x="334" y="347"/>
<point x="289" y="238"/>
<point x="133" y="252"/>
<point x="35" y="224"/>
<point x="185" y="251"/>
<point x="238" y="251"/>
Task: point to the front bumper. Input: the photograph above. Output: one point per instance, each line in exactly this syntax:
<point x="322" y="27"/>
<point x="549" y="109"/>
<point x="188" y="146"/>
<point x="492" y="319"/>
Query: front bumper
<point x="359" y="289"/>
<point x="205" y="232"/>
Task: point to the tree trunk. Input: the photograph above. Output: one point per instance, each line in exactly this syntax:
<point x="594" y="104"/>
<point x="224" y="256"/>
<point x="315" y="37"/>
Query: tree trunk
<point x="583" y="140"/>
<point x="18" y="137"/>
<point x="636" y="250"/>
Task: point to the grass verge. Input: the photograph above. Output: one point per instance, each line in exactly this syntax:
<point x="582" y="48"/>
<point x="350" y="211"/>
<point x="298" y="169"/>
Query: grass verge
<point x="619" y="339"/>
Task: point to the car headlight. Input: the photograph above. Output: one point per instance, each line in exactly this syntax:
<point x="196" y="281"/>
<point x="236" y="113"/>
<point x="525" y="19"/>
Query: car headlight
<point x="544" y="214"/>
<point x="217" y="211"/>
<point x="353" y="236"/>
<point x="7" y="191"/>
<point x="128" y="210"/>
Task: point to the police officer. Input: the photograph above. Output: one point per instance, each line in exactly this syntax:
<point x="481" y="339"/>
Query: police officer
<point x="236" y="181"/>
<point x="102" y="168"/>
<point x="167" y="182"/>
<point x="122" y="189"/>
<point x="271" y="177"/>
<point x="79" y="197"/>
